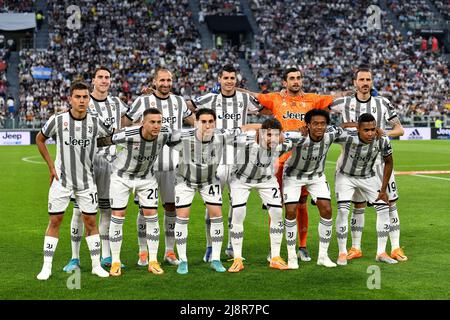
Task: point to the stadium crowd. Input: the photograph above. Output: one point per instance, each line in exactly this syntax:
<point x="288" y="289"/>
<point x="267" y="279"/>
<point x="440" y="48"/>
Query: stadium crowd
<point x="213" y="7"/>
<point x="443" y="6"/>
<point x="415" y="11"/>
<point x="330" y="39"/>
<point x="16" y="6"/>
<point x="174" y="43"/>
<point x="327" y="40"/>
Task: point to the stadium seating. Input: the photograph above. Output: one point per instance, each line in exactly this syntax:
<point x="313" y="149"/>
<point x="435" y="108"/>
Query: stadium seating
<point x="16" y="6"/>
<point x="329" y="41"/>
<point x="212" y="7"/>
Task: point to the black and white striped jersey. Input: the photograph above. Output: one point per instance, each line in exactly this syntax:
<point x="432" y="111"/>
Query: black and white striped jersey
<point x="308" y="157"/>
<point x="174" y="110"/>
<point x="136" y="159"/>
<point x="199" y="159"/>
<point x="231" y="113"/>
<point x="76" y="145"/>
<point x="110" y="110"/>
<point x="358" y="158"/>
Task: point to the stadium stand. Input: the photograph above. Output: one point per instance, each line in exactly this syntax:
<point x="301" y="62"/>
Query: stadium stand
<point x="131" y="51"/>
<point x="443" y="7"/>
<point x="330" y="39"/>
<point x="16" y="6"/>
<point x="413" y="12"/>
<point x="212" y="7"/>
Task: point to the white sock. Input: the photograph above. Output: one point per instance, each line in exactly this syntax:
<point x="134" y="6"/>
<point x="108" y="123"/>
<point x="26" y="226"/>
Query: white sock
<point x="103" y="229"/>
<point x="342" y="226"/>
<point x="325" y="232"/>
<point x="383" y="227"/>
<point x="169" y="228"/>
<point x="208" y="229"/>
<point x="237" y="230"/>
<point x="230" y="218"/>
<point x="291" y="237"/>
<point x="115" y="237"/>
<point x="394" y="231"/>
<point x="93" y="243"/>
<point x="216" y="237"/>
<point x="153" y="232"/>
<point x="76" y="231"/>
<point x="142" y="232"/>
<point x="276" y="230"/>
<point x="181" y="234"/>
<point x="357" y="226"/>
<point x="50" y="244"/>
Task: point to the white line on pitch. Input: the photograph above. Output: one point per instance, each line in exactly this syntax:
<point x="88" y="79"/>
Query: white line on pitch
<point x="430" y="177"/>
<point x="27" y="159"/>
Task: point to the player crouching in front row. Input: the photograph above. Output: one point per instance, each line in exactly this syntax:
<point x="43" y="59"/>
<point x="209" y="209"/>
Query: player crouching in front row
<point x="254" y="168"/>
<point x="200" y="153"/>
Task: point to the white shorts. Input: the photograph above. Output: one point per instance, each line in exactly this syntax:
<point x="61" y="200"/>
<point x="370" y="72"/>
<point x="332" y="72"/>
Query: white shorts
<point x="102" y="174"/>
<point x="145" y="189"/>
<point x="166" y="182"/>
<point x="318" y="188"/>
<point x="224" y="172"/>
<point x="391" y="189"/>
<point x="184" y="195"/>
<point x="346" y="186"/>
<point x="59" y="198"/>
<point x="269" y="191"/>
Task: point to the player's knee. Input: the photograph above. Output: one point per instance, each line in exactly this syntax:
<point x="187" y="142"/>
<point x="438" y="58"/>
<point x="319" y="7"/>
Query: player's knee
<point x="360" y="205"/>
<point x="276" y="213"/>
<point x="169" y="207"/>
<point x="89" y="222"/>
<point x="326" y="212"/>
<point x="55" y="221"/>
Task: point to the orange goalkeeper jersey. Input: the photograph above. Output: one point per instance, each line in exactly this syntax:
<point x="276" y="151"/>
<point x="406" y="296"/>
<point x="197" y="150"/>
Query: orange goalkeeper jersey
<point x="290" y="111"/>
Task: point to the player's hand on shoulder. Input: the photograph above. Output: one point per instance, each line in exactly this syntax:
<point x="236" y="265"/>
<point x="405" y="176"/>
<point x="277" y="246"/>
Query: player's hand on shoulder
<point x="147" y="90"/>
<point x="380" y="133"/>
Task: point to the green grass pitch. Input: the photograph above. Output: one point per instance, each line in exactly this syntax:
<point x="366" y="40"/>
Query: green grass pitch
<point x="424" y="214"/>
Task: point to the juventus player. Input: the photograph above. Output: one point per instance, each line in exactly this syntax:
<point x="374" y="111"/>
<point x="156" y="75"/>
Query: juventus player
<point x="201" y="151"/>
<point x="133" y="170"/>
<point x="174" y="112"/>
<point x="305" y="168"/>
<point x="110" y="109"/>
<point x="231" y="107"/>
<point x="254" y="168"/>
<point x="76" y="131"/>
<point x="355" y="172"/>
<point x="351" y="108"/>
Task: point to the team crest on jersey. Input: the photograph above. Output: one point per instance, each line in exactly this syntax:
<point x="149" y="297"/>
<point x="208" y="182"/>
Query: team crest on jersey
<point x="240" y="105"/>
<point x="153" y="103"/>
<point x="90" y="129"/>
<point x="352" y="107"/>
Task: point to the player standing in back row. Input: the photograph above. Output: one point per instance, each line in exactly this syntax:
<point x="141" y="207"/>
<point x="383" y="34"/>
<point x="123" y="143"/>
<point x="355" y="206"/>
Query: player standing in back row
<point x="174" y="112"/>
<point x="351" y="108"/>
<point x="231" y="107"/>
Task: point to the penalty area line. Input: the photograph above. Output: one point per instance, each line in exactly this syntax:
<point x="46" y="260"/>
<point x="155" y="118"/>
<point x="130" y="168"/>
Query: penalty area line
<point x="28" y="159"/>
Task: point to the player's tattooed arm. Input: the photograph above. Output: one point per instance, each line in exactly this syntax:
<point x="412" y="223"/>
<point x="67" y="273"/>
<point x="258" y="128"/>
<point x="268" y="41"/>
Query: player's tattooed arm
<point x="191" y="106"/>
<point x="346" y="125"/>
<point x="104" y="141"/>
<point x="397" y="128"/>
<point x="342" y="94"/>
<point x="253" y="94"/>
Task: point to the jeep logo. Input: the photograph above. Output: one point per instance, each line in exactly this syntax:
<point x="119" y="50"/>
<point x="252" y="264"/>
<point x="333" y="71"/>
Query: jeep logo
<point x="78" y="142"/>
<point x="230" y="116"/>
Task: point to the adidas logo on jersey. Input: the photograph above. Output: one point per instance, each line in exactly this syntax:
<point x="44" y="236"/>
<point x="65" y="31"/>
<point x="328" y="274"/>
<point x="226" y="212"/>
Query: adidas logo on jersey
<point x="297" y="116"/>
<point x="415" y="135"/>
<point x="77" y="142"/>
